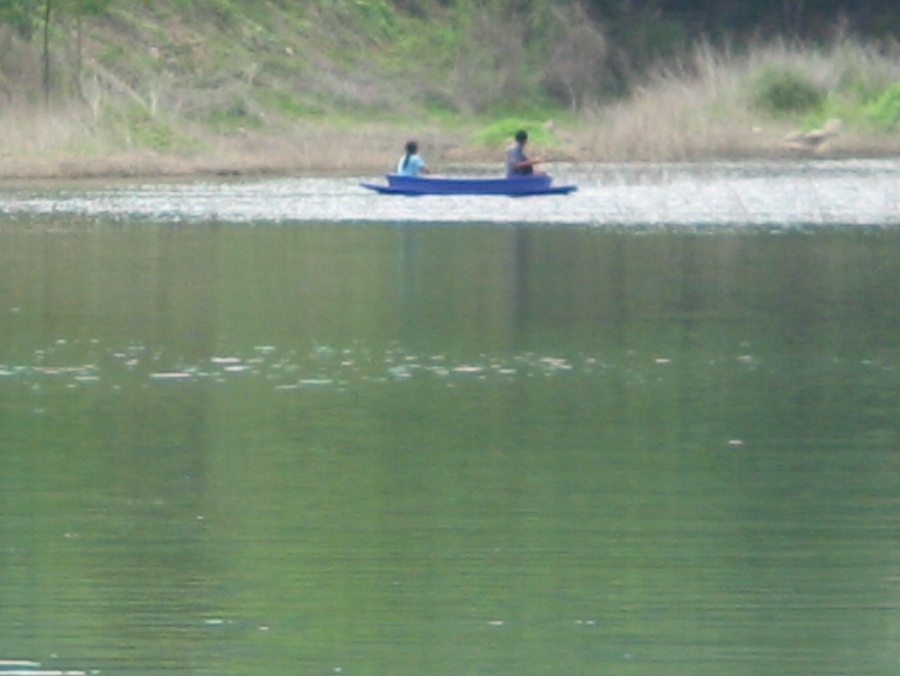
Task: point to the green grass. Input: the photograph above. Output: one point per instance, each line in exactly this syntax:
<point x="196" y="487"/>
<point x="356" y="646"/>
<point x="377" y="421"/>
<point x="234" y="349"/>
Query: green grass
<point x="288" y="105"/>
<point x="236" y="114"/>
<point x="504" y="130"/>
<point x="153" y="134"/>
<point x="884" y="111"/>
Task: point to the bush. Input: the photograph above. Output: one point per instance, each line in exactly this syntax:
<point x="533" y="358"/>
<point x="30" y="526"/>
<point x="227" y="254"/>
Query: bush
<point x="504" y="130"/>
<point x="147" y="131"/>
<point x="781" y="91"/>
<point x="884" y="111"/>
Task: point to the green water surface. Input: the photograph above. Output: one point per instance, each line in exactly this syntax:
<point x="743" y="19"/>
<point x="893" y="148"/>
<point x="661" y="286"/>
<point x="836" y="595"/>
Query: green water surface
<point x="401" y="450"/>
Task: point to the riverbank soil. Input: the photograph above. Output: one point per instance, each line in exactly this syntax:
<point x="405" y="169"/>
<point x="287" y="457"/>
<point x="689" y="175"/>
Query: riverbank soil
<point x="375" y="148"/>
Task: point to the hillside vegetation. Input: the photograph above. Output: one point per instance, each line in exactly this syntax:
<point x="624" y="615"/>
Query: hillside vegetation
<point x="166" y="86"/>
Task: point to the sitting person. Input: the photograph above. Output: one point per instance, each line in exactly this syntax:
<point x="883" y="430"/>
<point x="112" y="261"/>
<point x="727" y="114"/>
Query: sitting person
<point x="411" y="164"/>
<point x="517" y="162"/>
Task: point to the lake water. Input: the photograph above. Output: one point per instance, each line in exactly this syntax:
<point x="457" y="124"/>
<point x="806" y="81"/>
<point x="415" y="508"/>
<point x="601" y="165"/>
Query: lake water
<point x="286" y="426"/>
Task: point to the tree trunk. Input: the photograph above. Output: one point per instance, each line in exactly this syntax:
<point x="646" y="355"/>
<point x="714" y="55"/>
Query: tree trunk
<point x="48" y="7"/>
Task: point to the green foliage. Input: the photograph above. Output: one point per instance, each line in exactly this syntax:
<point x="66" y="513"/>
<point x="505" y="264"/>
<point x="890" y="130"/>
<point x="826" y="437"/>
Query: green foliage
<point x="112" y="54"/>
<point x="25" y="15"/>
<point x="223" y="12"/>
<point x="85" y="7"/>
<point x="781" y="90"/>
<point x="503" y="131"/>
<point x="288" y="105"/>
<point x="234" y="115"/>
<point x="147" y="131"/>
<point x="21" y="15"/>
<point x="884" y="111"/>
<point x="439" y="106"/>
<point x="378" y="15"/>
<point x="879" y="113"/>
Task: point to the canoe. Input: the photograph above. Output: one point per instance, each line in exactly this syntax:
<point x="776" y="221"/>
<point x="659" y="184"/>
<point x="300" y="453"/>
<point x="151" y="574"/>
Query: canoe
<point x="514" y="186"/>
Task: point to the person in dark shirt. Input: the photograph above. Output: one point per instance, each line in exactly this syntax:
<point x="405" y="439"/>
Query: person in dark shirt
<point x="517" y="162"/>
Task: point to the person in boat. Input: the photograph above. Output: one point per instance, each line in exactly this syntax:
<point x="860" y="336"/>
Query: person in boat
<point x="411" y="164"/>
<point x="517" y="162"/>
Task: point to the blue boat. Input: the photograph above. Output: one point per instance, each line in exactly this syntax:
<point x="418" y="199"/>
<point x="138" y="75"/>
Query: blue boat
<point x="514" y="186"/>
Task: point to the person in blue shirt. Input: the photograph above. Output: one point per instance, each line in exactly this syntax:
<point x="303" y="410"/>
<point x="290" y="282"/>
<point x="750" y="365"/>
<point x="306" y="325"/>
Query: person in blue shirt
<point x="517" y="162"/>
<point x="410" y="164"/>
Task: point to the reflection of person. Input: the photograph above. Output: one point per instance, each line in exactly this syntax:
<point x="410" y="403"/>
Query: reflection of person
<point x="411" y="164"/>
<point x="517" y="162"/>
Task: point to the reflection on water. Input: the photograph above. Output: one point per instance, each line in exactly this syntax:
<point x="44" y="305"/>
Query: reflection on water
<point x="383" y="449"/>
<point x="770" y="194"/>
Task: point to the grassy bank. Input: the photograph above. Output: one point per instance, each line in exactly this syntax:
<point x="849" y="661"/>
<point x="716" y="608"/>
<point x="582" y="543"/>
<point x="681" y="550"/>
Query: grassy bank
<point x="186" y="89"/>
<point x="760" y="103"/>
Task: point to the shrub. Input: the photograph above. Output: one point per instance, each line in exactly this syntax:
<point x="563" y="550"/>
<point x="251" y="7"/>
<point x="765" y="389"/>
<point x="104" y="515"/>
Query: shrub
<point x="503" y="130"/>
<point x="780" y="91"/>
<point x="148" y="132"/>
<point x="884" y="111"/>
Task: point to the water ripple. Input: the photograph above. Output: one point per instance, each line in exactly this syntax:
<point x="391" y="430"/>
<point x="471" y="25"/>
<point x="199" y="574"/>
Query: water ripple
<point x="64" y="367"/>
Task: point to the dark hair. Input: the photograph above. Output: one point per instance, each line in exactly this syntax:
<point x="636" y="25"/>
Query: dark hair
<point x="521" y="136"/>
<point x="411" y="149"/>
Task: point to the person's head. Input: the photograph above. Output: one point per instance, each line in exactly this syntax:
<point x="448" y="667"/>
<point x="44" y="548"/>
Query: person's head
<point x="521" y="136"/>
<point x="412" y="147"/>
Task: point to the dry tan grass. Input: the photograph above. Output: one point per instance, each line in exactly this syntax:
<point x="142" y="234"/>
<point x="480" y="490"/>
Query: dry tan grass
<point x="701" y="108"/>
<point x="65" y="143"/>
